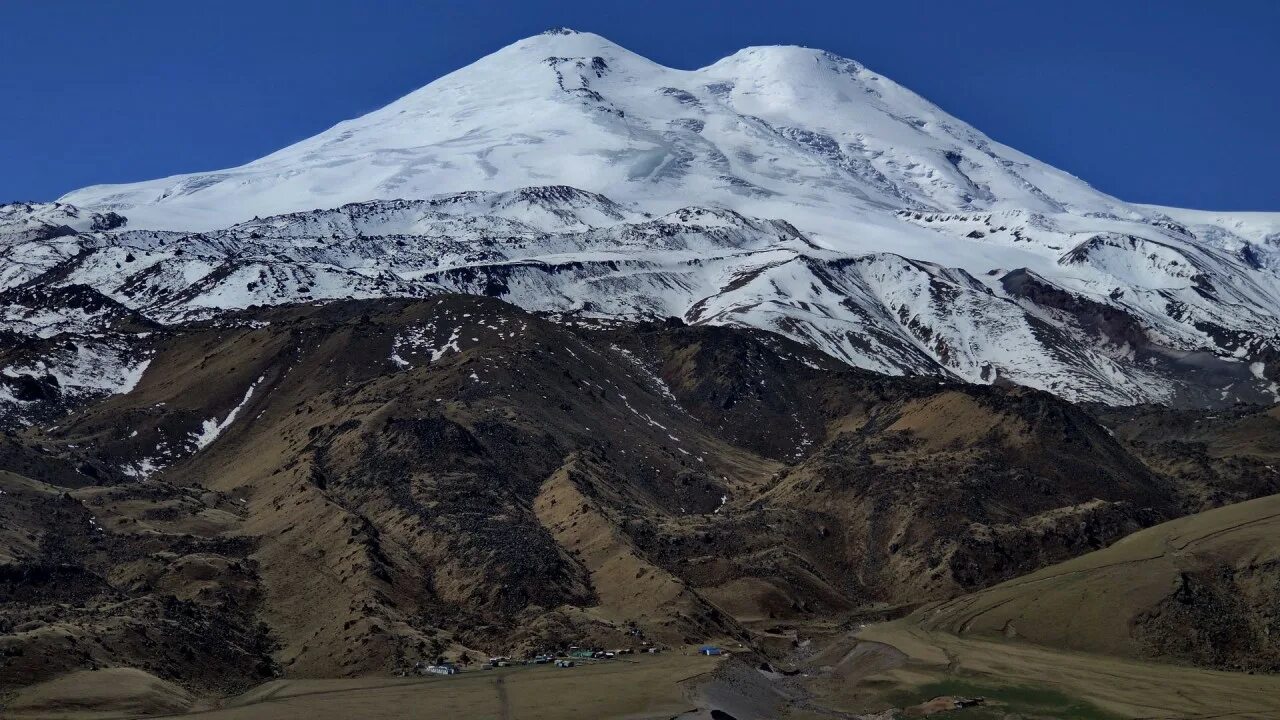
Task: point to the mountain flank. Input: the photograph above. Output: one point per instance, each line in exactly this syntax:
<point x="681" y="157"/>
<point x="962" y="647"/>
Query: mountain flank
<point x="352" y="487"/>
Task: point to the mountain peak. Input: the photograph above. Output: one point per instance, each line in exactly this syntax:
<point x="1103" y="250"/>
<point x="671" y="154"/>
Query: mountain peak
<point x="791" y="53"/>
<point x="574" y="108"/>
<point x="565" y="41"/>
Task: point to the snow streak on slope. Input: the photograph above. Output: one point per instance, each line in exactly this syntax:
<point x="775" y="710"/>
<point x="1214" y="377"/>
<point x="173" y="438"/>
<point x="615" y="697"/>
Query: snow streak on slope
<point x="213" y="427"/>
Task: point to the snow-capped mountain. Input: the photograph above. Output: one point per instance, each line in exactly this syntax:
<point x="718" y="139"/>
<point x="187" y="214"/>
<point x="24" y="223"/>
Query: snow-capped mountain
<point x="781" y="187"/>
<point x="785" y="129"/>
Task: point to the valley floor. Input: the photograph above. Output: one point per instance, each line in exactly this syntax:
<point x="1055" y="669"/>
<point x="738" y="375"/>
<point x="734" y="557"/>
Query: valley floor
<point x="1058" y="683"/>
<point x="647" y="687"/>
<point x="881" y="671"/>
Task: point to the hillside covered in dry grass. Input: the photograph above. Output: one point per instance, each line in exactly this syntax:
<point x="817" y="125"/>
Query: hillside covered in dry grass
<point x="339" y="489"/>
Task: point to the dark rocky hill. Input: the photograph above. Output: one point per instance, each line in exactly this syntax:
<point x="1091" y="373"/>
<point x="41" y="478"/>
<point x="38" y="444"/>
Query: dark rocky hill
<point x="335" y="489"/>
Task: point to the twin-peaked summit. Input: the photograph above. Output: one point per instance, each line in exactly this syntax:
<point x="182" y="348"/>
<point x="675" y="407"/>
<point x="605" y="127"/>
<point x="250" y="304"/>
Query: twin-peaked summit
<point x="771" y="127"/>
<point x="781" y="187"/>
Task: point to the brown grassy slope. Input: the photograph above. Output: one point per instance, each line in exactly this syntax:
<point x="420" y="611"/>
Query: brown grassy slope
<point x="389" y="482"/>
<point x="107" y="694"/>
<point x="1200" y="589"/>
<point x="395" y="505"/>
<point x="1020" y="679"/>
<point x="954" y="490"/>
<point x="133" y="576"/>
<point x="909" y="488"/>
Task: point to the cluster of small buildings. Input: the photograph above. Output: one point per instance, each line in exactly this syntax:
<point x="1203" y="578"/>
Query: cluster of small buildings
<point x="566" y="659"/>
<point x="446" y="668"/>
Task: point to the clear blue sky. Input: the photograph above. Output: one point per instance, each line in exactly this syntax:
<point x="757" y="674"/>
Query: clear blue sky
<point x="1174" y="102"/>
